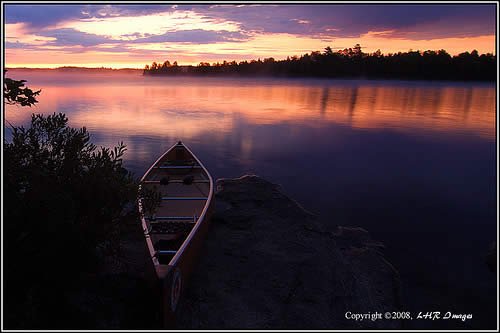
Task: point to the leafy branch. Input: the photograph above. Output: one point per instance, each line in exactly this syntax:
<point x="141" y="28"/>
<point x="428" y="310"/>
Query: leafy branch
<point x="16" y="93"/>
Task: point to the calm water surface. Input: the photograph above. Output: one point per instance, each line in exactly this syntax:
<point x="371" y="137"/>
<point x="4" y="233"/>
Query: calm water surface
<point x="412" y="162"/>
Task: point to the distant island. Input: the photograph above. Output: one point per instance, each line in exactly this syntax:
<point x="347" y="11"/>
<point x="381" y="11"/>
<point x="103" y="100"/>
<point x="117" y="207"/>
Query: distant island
<point x="76" y="69"/>
<point x="349" y="63"/>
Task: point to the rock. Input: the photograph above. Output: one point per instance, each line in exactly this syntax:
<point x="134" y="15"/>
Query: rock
<point x="267" y="263"/>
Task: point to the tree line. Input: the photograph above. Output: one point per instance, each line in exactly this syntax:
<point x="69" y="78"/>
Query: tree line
<point x="350" y="63"/>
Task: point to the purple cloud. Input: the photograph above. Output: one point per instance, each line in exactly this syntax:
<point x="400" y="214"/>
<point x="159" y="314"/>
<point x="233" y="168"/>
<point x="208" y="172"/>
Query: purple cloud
<point x="40" y="15"/>
<point x="17" y="45"/>
<point x="197" y="36"/>
<point x="355" y="20"/>
<point x="71" y="37"/>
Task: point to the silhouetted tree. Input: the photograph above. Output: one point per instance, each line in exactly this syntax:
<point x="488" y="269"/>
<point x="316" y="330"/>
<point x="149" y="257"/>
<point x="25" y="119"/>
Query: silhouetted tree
<point x="16" y="93"/>
<point x="328" y="51"/>
<point x="356" y="52"/>
<point x="353" y="62"/>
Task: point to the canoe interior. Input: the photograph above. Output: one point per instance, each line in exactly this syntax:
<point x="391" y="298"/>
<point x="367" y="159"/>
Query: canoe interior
<point x="184" y="187"/>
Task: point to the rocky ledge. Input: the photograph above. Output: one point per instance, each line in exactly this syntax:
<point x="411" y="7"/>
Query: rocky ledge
<point x="267" y="263"/>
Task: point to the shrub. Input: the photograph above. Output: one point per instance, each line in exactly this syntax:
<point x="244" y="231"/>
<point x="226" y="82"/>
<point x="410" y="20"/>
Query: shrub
<point x="63" y="199"/>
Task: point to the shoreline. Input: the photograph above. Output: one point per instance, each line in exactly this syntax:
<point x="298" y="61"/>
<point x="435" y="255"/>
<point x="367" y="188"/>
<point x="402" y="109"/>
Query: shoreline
<point x="139" y="72"/>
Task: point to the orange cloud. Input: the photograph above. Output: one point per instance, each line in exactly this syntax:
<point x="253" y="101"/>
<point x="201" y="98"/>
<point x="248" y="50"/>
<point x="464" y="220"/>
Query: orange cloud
<point x="16" y="33"/>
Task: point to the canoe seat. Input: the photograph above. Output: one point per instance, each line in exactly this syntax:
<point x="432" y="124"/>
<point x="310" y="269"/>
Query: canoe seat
<point x="188" y="180"/>
<point x="180" y="162"/>
<point x="164" y="180"/>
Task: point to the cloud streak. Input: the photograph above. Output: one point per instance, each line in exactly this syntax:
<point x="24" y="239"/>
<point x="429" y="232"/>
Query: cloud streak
<point x="43" y="16"/>
<point x="197" y="36"/>
<point x="71" y="37"/>
<point x="356" y="20"/>
<point x="244" y="31"/>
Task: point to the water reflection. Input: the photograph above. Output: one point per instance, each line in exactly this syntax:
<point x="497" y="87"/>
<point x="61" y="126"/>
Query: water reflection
<point x="183" y="107"/>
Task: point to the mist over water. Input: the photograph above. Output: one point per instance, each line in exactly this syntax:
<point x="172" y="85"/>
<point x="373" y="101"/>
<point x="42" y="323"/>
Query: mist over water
<point x="412" y="162"/>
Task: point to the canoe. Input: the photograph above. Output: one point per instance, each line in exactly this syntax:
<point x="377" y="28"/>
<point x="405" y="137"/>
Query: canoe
<point x="174" y="231"/>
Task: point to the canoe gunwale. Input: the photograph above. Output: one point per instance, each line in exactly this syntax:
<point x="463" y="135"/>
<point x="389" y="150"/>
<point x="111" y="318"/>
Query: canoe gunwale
<point x="193" y="231"/>
<point x="173" y="262"/>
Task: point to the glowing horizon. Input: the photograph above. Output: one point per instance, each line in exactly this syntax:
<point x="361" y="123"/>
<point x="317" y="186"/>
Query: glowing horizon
<point x="120" y="36"/>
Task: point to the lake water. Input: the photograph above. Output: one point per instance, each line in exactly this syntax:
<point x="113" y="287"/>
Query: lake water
<point x="411" y="162"/>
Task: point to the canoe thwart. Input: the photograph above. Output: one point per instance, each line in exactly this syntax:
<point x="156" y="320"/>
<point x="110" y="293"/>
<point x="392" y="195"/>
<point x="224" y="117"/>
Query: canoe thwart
<point x="166" y="252"/>
<point x="173" y="218"/>
<point x="175" y="181"/>
<point x="184" y="198"/>
<point x="178" y="167"/>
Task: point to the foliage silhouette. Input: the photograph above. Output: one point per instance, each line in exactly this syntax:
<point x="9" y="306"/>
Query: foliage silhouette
<point x="63" y="201"/>
<point x="151" y="199"/>
<point x="350" y="63"/>
<point x="15" y="93"/>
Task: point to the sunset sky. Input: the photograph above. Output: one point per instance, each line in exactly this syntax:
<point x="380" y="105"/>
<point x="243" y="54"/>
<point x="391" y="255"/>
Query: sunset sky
<point x="118" y="36"/>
